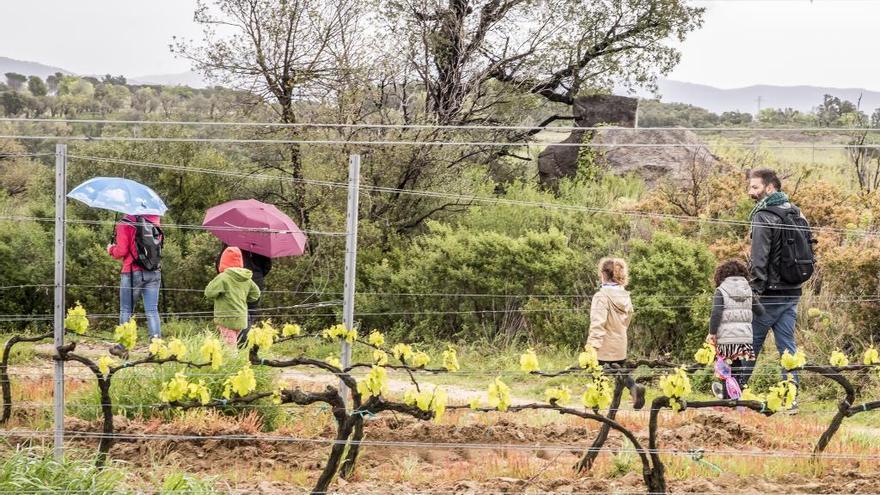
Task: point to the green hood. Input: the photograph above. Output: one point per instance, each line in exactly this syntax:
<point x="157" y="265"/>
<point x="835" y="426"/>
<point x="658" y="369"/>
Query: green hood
<point x="239" y="274"/>
<point x="231" y="291"/>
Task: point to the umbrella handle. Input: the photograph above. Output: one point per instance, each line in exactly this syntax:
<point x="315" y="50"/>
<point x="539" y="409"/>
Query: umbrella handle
<point x="113" y="228"/>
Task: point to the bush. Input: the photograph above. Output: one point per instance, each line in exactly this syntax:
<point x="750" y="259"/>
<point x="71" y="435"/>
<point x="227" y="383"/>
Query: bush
<point x="826" y="204"/>
<point x="853" y="271"/>
<point x="25" y="259"/>
<point x="504" y="253"/>
<point x="458" y="262"/>
<point x="557" y="321"/>
<point x="670" y="283"/>
<point x="767" y="372"/>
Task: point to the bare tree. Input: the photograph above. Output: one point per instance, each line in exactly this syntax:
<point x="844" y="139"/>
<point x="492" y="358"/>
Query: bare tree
<point x="556" y="49"/>
<point x="862" y="150"/>
<point x="284" y="51"/>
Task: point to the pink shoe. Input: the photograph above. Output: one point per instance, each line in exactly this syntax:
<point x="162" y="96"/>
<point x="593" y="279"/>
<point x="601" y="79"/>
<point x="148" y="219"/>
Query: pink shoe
<point x="228" y="335"/>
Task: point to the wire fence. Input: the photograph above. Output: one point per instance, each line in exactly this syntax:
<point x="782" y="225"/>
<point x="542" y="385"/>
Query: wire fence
<point x="278" y="311"/>
<point x="488" y="127"/>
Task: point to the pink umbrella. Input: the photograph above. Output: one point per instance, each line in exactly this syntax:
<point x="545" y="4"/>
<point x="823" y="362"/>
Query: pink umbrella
<point x="256" y="227"/>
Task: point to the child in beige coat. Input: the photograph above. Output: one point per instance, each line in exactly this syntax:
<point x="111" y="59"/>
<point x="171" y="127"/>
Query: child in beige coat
<point x="610" y="315"/>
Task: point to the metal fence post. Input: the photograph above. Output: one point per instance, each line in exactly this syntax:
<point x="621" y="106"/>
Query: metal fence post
<point x="60" y="286"/>
<point x="354" y="174"/>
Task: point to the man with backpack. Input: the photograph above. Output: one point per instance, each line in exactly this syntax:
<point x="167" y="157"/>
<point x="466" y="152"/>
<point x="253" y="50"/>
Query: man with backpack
<point x="781" y="261"/>
<point x="138" y="243"/>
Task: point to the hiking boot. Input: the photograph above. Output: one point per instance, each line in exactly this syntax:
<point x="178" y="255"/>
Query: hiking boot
<point x="718" y="390"/>
<point x="638" y="396"/>
<point x="793" y="410"/>
<point x="119" y="351"/>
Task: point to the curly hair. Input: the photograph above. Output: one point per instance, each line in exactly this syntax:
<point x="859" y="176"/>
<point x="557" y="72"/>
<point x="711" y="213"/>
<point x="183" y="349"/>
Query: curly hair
<point x="614" y="270"/>
<point x="730" y="268"/>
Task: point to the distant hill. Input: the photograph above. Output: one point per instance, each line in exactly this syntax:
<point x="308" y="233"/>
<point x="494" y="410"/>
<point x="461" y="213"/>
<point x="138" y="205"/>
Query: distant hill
<point x="803" y="98"/>
<point x="188" y="78"/>
<point x="28" y="68"/>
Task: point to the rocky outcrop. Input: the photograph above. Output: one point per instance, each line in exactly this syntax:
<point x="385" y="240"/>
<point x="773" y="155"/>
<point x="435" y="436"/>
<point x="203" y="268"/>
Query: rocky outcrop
<point x="677" y="156"/>
<point x="656" y="155"/>
<point x="556" y="162"/>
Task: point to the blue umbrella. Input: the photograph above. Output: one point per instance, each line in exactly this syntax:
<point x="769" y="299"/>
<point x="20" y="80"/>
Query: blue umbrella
<point x="120" y="195"/>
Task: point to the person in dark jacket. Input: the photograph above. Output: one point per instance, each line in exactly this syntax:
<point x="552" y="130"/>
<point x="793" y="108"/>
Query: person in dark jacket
<point x="259" y="266"/>
<point x="780" y="300"/>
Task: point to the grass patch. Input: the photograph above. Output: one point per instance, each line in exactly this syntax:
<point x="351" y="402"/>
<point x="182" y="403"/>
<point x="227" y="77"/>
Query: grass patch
<point x="135" y="391"/>
<point x="36" y="471"/>
<point x="180" y="482"/>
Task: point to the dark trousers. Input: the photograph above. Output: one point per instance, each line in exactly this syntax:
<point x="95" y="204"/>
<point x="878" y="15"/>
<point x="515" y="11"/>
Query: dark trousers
<point x="252" y="318"/>
<point x="627" y="378"/>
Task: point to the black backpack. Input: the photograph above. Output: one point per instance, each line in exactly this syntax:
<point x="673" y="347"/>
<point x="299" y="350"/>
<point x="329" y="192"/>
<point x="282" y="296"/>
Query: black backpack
<point x="148" y="242"/>
<point x="797" y="261"/>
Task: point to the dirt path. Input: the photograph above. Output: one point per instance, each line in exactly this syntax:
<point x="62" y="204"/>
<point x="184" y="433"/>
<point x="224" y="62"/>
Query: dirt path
<point x="398" y="382"/>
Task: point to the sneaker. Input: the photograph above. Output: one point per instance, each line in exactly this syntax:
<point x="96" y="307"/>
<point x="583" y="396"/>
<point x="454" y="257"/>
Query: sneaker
<point x="119" y="351"/>
<point x="718" y="390"/>
<point x="793" y="410"/>
<point x="638" y="396"/>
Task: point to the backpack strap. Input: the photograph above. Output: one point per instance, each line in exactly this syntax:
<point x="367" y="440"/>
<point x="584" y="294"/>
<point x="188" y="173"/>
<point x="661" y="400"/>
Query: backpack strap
<point x="133" y="225"/>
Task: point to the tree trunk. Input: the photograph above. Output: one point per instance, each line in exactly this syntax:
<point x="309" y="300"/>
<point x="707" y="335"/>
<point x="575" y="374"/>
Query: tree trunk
<point x="107" y="410"/>
<point x="4" y="371"/>
<point x="296" y="164"/>
<point x="586" y="462"/>
<point x="656" y="480"/>
<point x="353" y="449"/>
<point x="342" y="435"/>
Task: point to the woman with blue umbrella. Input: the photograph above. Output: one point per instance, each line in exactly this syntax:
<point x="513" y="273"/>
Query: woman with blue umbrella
<point x="138" y="242"/>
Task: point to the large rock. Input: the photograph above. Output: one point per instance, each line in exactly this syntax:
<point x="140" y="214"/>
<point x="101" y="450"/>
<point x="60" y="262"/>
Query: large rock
<point x="625" y="149"/>
<point x="679" y="157"/>
<point x="556" y="162"/>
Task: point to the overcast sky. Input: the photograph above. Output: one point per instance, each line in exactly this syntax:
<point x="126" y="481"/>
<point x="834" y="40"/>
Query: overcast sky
<point x="742" y="42"/>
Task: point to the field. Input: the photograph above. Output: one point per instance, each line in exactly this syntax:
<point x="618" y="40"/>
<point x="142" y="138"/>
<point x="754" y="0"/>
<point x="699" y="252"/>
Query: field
<point x="531" y="451"/>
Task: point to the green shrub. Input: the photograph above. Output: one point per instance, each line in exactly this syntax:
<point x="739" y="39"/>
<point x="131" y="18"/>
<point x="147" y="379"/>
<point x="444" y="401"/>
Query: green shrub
<point x="670" y="280"/>
<point x="852" y="271"/>
<point x="503" y="253"/>
<point x="452" y="260"/>
<point x="557" y="321"/>
<point x="767" y="372"/>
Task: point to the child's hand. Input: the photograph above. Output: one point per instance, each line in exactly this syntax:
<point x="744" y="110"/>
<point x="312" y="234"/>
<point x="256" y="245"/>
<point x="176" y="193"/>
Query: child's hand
<point x="712" y="339"/>
<point x="109" y="247"/>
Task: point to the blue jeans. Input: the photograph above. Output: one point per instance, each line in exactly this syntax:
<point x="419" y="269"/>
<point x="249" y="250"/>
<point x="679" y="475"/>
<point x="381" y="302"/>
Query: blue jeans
<point x="780" y="315"/>
<point x="139" y="284"/>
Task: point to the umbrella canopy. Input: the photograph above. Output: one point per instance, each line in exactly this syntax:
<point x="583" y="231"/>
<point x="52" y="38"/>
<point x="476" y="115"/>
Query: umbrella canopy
<point x="256" y="227"/>
<point x="120" y="195"/>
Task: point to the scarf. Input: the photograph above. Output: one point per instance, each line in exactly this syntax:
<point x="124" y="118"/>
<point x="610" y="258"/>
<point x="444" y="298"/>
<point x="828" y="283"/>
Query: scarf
<point x="775" y="199"/>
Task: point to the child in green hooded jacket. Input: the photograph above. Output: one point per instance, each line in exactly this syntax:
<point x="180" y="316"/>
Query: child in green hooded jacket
<point x="231" y="290"/>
